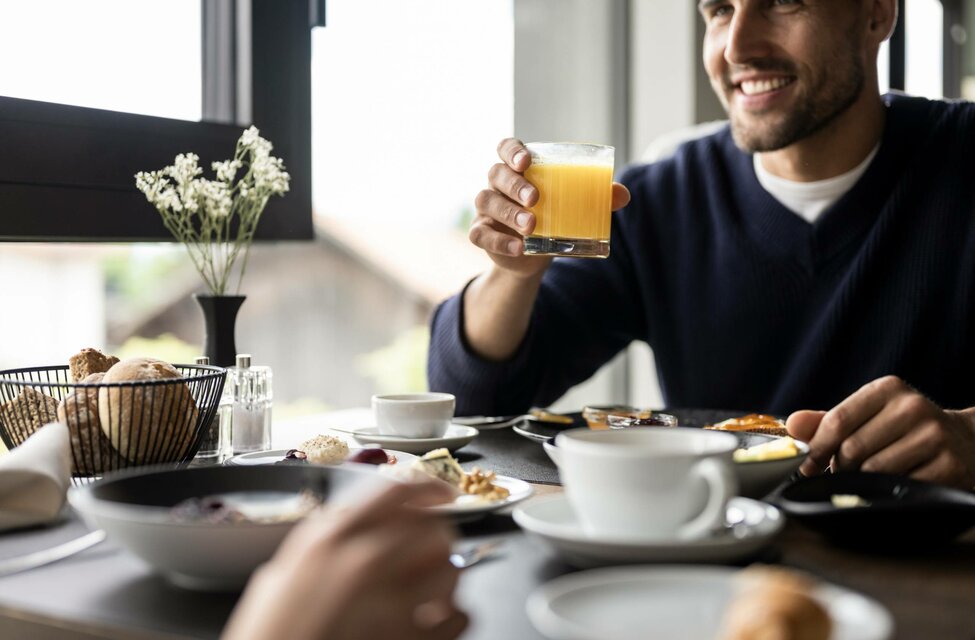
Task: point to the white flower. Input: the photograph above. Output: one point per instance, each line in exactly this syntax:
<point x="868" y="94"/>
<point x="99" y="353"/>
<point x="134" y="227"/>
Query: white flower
<point x="201" y="212"/>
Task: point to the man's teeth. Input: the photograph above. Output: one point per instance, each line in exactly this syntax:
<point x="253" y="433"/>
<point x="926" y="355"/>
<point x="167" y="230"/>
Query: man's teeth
<point x="753" y="87"/>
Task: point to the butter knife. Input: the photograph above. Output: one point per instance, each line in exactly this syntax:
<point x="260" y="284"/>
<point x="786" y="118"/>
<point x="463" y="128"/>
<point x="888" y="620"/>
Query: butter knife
<point x="52" y="554"/>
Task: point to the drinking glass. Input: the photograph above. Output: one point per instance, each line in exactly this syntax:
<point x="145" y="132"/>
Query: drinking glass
<point x="575" y="186"/>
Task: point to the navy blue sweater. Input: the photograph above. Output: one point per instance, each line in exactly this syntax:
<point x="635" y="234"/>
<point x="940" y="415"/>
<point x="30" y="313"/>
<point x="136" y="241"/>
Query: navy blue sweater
<point x="747" y="305"/>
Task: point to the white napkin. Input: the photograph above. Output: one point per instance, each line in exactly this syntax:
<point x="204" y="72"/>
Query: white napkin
<point x="34" y="478"/>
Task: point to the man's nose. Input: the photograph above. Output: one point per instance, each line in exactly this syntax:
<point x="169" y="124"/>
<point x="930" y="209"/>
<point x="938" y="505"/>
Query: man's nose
<point x="747" y="36"/>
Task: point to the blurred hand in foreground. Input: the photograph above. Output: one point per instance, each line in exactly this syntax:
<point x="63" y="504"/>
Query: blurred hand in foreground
<point x="380" y="570"/>
<point x="502" y="211"/>
<point x="887" y="426"/>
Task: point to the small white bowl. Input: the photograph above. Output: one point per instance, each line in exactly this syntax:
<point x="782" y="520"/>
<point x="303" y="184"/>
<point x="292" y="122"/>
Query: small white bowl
<point x="413" y="415"/>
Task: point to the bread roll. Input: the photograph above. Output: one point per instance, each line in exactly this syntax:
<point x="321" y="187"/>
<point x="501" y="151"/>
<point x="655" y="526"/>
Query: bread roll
<point x="775" y="604"/>
<point x="147" y="423"/>
<point x="89" y="361"/>
<point x="27" y="413"/>
<point x="91" y="452"/>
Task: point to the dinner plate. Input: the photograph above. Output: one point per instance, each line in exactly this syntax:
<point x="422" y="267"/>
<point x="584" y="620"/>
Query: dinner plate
<point x="902" y="513"/>
<point x="674" y="602"/>
<point x="552" y="521"/>
<point x="465" y="508"/>
<point x="274" y="456"/>
<point x="457" y="436"/>
<point x="756" y="478"/>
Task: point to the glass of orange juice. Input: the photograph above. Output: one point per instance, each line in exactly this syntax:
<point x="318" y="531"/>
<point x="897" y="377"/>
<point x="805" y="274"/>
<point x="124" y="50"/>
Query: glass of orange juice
<point x="574" y="183"/>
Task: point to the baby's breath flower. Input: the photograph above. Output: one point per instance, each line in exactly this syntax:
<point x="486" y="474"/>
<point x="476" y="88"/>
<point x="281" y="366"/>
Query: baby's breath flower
<point x="200" y="212"/>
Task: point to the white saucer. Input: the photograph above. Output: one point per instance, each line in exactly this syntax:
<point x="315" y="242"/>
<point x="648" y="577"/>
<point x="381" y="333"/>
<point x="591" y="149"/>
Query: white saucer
<point x="456" y="437"/>
<point x="552" y="520"/>
<point x="274" y="456"/>
<point x="463" y="509"/>
<point x="631" y="603"/>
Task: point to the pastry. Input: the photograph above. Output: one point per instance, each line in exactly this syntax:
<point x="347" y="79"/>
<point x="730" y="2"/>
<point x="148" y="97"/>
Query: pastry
<point x="754" y="423"/>
<point x="775" y="604"/>
<point x="89" y="361"/>
<point x="90" y="448"/>
<point x="147" y="423"/>
<point x="27" y="413"/>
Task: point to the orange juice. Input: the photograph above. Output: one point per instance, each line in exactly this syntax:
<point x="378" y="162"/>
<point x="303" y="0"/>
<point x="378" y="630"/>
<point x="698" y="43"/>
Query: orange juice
<point x="574" y="200"/>
<point x="572" y="215"/>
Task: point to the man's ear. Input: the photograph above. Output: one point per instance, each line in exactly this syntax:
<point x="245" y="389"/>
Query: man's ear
<point x="882" y="18"/>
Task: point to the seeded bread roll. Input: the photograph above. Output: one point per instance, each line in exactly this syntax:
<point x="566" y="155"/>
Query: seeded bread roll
<point x="91" y="452"/>
<point x="89" y="361"/>
<point x="28" y="412"/>
<point x="147" y="422"/>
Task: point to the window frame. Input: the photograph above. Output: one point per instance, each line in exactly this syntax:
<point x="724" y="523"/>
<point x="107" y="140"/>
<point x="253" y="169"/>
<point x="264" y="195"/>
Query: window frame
<point x="67" y="172"/>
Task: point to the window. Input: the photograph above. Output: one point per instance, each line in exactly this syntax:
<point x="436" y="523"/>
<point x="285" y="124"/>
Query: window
<point x="396" y="101"/>
<point x="67" y="171"/>
<point x="71" y="52"/>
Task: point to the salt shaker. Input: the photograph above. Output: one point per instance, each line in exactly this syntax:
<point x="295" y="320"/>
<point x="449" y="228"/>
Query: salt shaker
<point x="252" y="397"/>
<point x="212" y="446"/>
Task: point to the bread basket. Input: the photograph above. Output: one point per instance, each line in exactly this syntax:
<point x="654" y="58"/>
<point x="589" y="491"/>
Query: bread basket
<point x="113" y="425"/>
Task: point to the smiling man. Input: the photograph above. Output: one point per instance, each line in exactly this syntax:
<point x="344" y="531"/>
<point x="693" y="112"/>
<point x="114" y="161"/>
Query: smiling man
<point x="817" y="254"/>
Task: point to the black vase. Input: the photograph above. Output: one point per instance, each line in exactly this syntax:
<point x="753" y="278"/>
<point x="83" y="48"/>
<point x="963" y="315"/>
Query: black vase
<point x="220" y="316"/>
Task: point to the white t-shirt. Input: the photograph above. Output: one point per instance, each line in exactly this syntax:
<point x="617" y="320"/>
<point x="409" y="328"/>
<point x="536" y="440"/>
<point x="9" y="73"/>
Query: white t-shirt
<point x="809" y="199"/>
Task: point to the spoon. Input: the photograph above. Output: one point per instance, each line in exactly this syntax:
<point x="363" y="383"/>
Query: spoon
<point x="474" y="554"/>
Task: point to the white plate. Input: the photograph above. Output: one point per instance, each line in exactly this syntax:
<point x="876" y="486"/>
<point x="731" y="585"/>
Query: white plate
<point x="273" y="456"/>
<point x="552" y="520"/>
<point x="465" y="510"/>
<point x="676" y="602"/>
<point x="456" y="437"/>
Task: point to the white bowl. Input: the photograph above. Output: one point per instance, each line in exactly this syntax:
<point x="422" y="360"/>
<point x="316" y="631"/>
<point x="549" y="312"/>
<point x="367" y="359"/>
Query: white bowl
<point x="134" y="508"/>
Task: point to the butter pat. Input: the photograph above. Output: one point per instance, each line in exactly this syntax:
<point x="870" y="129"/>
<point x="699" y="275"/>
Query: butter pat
<point x="775" y="450"/>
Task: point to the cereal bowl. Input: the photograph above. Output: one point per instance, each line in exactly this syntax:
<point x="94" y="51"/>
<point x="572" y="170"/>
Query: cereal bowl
<point x="195" y="551"/>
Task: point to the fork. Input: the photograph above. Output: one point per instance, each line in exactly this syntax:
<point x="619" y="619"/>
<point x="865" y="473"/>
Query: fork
<point x="474" y="554"/>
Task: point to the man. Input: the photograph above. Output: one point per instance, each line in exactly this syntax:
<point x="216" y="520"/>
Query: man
<point x="792" y="261"/>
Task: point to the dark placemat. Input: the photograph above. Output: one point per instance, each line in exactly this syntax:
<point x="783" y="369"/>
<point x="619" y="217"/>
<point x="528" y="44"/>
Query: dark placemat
<point x="509" y="454"/>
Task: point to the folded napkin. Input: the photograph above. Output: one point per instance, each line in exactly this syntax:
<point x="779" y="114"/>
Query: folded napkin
<point x="34" y="478"/>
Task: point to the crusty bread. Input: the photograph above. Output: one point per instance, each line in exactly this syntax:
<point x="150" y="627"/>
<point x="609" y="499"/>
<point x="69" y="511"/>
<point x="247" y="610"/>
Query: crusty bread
<point x="775" y="604"/>
<point x="89" y="361"/>
<point x="28" y="412"/>
<point x="147" y="422"/>
<point x="752" y="423"/>
<point x="91" y="452"/>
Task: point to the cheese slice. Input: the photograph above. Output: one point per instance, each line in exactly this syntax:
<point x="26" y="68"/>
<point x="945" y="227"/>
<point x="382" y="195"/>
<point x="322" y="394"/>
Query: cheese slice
<point x="440" y="464"/>
<point x="775" y="450"/>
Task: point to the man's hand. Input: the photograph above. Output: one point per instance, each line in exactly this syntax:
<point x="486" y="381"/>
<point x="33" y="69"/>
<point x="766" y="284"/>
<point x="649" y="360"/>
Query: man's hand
<point x="502" y="211"/>
<point x="889" y="427"/>
<point x="381" y="570"/>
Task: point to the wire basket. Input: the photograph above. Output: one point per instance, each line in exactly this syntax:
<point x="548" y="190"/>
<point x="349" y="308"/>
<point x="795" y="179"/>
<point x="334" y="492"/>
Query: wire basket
<point x="113" y="425"/>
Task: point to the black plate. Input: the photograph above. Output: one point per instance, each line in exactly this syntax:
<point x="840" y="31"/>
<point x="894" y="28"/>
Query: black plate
<point x="903" y="513"/>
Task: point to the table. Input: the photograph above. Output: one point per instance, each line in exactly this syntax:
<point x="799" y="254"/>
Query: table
<point x="103" y="592"/>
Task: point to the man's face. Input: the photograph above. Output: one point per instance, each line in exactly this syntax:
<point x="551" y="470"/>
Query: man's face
<point x="783" y="69"/>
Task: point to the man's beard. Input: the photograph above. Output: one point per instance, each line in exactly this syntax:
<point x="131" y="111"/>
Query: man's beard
<point x="812" y="114"/>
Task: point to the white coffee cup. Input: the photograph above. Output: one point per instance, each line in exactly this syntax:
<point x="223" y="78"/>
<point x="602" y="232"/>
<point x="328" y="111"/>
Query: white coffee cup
<point x="644" y="485"/>
<point x="413" y="415"/>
